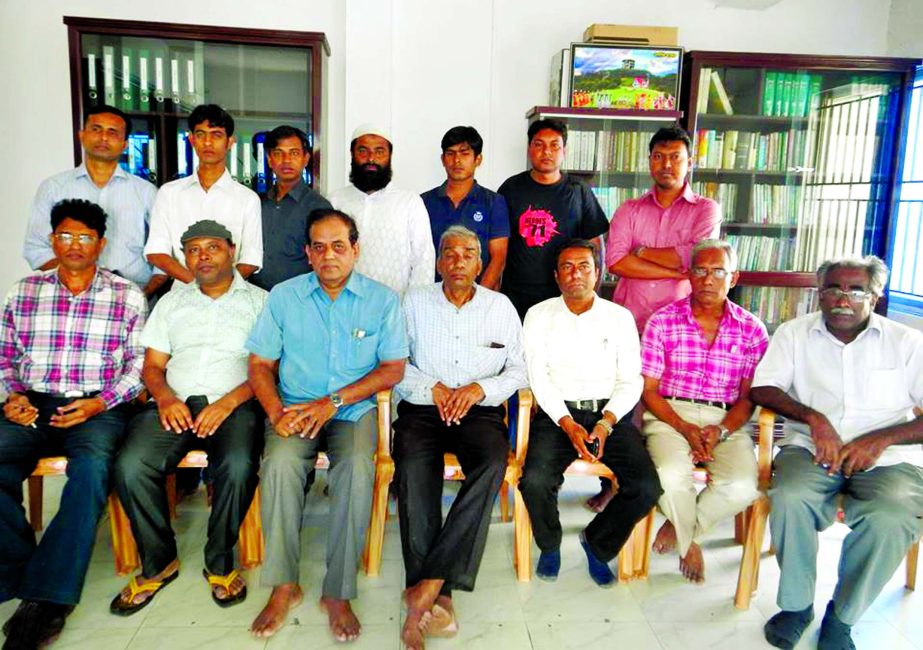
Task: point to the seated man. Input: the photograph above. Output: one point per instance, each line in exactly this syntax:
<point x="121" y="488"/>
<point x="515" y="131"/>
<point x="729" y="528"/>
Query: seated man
<point x="70" y="360"/>
<point x="584" y="366"/>
<point x="337" y="338"/>
<point x="195" y="368"/>
<point x="698" y="356"/>
<point x="465" y="361"/>
<point x="847" y="380"/>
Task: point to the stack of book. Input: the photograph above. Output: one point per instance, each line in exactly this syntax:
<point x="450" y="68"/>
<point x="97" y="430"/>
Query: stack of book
<point x="760" y="253"/>
<point x="610" y="198"/>
<point x="607" y="151"/>
<point x="777" y="151"/>
<point x="789" y="94"/>
<point x="775" y="204"/>
<point x="775" y="305"/>
<point x="142" y="81"/>
<point x="724" y="193"/>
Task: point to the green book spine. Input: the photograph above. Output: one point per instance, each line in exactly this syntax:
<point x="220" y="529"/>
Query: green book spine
<point x="769" y="93"/>
<point x="787" y="86"/>
<point x="126" y="94"/>
<point x="804" y="81"/>
<point x="780" y="83"/>
<point x="144" y="80"/>
<point x="814" y="92"/>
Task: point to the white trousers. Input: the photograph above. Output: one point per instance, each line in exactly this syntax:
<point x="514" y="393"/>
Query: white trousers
<point x="732" y="475"/>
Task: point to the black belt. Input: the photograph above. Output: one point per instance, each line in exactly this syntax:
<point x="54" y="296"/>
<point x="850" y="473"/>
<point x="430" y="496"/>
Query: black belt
<point x="587" y="404"/>
<point x="704" y="402"/>
<point x="71" y="394"/>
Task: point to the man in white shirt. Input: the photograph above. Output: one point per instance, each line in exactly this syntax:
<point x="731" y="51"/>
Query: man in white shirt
<point x="397" y="244"/>
<point x="465" y="360"/>
<point x="847" y="380"/>
<point x="209" y="193"/>
<point x="584" y="362"/>
<point x="195" y="368"/>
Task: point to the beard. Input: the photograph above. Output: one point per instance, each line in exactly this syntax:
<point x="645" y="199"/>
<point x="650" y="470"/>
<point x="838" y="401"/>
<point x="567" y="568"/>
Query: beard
<point x="369" y="180"/>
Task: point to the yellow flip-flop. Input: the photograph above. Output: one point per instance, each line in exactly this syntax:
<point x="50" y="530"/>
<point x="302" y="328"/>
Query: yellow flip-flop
<point x="226" y="582"/>
<point x="120" y="608"/>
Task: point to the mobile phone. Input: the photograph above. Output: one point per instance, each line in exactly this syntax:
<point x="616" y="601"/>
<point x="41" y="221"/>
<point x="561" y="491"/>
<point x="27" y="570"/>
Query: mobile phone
<point x="592" y="446"/>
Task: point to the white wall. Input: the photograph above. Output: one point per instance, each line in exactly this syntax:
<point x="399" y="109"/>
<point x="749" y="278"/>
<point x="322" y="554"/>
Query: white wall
<point x="420" y="66"/>
<point x="905" y="28"/>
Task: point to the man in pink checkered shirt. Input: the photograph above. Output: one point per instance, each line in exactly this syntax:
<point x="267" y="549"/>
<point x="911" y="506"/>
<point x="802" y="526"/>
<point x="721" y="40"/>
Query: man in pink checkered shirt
<point x="698" y="356"/>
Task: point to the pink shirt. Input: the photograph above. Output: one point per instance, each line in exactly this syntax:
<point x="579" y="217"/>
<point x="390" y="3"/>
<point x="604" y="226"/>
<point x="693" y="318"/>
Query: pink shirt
<point x="674" y="350"/>
<point x="643" y="222"/>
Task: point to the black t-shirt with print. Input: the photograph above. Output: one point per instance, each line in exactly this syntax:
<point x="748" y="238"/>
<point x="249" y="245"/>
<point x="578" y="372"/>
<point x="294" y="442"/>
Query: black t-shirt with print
<point x="541" y="218"/>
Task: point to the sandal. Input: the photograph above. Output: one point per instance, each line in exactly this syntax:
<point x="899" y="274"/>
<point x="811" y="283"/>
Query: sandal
<point x="225" y="582"/>
<point x="119" y="607"/>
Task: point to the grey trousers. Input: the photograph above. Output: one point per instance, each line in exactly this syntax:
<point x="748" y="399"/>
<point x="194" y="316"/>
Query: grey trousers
<point x="882" y="506"/>
<point x="286" y="465"/>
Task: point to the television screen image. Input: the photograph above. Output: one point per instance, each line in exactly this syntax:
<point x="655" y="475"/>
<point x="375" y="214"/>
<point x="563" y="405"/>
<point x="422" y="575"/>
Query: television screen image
<point x="625" y="77"/>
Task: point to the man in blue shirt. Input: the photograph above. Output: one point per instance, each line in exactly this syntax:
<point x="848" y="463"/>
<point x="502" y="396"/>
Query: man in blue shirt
<point x="460" y="200"/>
<point x="337" y="338"/>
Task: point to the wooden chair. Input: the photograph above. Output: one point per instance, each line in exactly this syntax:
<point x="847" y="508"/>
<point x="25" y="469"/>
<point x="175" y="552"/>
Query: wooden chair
<point x="634" y="558"/>
<point x="756" y="523"/>
<point x="384" y="474"/>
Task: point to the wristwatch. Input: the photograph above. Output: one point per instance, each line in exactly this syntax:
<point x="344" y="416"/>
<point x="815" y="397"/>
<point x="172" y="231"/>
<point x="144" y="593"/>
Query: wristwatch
<point x="336" y="399"/>
<point x="725" y="433"/>
<point x="605" y="425"/>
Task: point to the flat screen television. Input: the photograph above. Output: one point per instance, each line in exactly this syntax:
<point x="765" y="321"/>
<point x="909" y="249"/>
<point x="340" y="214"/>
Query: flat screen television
<point x="631" y="77"/>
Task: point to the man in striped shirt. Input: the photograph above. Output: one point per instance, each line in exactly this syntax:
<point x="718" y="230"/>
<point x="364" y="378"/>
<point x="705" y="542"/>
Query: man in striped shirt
<point x="698" y="356"/>
<point x="70" y="361"/>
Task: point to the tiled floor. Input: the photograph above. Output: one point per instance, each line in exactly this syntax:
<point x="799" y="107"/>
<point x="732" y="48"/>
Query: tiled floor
<point x="662" y="612"/>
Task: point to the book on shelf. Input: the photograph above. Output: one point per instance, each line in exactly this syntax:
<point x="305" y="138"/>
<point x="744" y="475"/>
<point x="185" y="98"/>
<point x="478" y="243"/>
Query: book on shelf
<point x="610" y="198"/>
<point x="789" y="94"/>
<point x="725" y="194"/>
<point x="761" y="253"/>
<point x="778" y="151"/>
<point x="712" y="95"/>
<point x="723" y="100"/>
<point x="775" y="305"/>
<point x="559" y="87"/>
<point x="109" y="75"/>
<point x="607" y="151"/>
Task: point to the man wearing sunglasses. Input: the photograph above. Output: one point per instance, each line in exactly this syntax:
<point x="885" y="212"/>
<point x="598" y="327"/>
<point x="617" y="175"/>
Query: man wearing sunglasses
<point x="698" y="356"/>
<point x="847" y="381"/>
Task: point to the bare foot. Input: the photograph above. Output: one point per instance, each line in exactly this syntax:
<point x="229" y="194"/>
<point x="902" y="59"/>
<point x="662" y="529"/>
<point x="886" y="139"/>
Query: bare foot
<point x="692" y="565"/>
<point x="442" y="623"/>
<point x="599" y="502"/>
<point x="343" y="623"/>
<point x="420" y="599"/>
<point x="283" y="599"/>
<point x="237" y="585"/>
<point x="125" y="595"/>
<point x="665" y="541"/>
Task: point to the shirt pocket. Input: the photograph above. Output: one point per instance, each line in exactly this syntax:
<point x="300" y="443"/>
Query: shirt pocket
<point x="886" y="389"/>
<point x="486" y="361"/>
<point x="363" y="351"/>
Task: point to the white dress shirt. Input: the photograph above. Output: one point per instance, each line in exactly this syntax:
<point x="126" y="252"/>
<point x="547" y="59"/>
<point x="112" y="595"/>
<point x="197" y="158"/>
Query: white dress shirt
<point x="395" y="240"/>
<point x="871" y="383"/>
<point x="479" y="342"/>
<point x="205" y="337"/>
<point x="183" y="202"/>
<point x="572" y="357"/>
<point x="127" y="201"/>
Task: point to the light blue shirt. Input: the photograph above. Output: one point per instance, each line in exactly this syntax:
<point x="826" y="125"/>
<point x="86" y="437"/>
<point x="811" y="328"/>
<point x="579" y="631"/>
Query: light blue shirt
<point x="324" y="345"/>
<point x="127" y="201"/>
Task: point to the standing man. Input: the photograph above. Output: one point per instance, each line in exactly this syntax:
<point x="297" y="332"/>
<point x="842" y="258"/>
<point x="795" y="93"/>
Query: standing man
<point x="195" y="369"/>
<point x="651" y="238"/>
<point x="460" y="200"/>
<point x="546" y="208"/>
<point x="126" y="198"/>
<point x="209" y="193"/>
<point x="70" y="360"/>
<point x="397" y="244"/>
<point x="698" y="356"/>
<point x="847" y="380"/>
<point x="584" y="366"/>
<point x="286" y="207"/>
<point x="465" y="361"/>
<point x="330" y="339"/>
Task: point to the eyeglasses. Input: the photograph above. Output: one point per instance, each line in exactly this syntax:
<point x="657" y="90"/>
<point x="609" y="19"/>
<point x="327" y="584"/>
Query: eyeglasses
<point x="835" y="293"/>
<point x="701" y="272"/>
<point x="68" y="238"/>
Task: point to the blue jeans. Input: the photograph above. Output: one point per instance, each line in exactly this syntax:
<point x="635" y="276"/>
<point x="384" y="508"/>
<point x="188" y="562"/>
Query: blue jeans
<point x="54" y="570"/>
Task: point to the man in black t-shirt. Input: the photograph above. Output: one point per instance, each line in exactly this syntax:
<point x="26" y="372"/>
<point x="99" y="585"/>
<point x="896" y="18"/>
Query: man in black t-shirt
<point x="547" y="207"/>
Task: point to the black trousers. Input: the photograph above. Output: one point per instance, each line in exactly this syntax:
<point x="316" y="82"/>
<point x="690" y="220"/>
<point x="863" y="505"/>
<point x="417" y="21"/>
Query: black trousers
<point x="551" y="451"/>
<point x="151" y="452"/>
<point x="450" y="551"/>
<point x="524" y="297"/>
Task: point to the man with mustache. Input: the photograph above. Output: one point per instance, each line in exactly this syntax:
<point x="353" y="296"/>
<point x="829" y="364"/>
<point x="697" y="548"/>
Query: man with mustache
<point x="847" y="380"/>
<point x="285" y="208"/>
<point x="195" y="367"/>
<point x="209" y="193"/>
<point x="397" y="244"/>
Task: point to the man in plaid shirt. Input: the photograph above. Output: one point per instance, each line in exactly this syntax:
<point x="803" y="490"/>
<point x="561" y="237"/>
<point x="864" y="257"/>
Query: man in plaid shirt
<point x="70" y="361"/>
<point x="698" y="356"/>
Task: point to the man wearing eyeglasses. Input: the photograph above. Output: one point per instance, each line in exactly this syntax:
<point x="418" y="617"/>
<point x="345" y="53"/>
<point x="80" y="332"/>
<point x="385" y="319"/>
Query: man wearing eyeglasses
<point x="698" y="356"/>
<point x="70" y="361"/>
<point x="847" y="381"/>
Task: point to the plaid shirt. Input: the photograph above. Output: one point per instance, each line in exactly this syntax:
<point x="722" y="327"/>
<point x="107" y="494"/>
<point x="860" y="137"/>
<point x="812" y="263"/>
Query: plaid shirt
<point x="674" y="351"/>
<point x="52" y="341"/>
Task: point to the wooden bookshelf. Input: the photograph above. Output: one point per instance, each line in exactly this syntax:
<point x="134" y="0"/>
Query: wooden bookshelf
<point x="802" y="150"/>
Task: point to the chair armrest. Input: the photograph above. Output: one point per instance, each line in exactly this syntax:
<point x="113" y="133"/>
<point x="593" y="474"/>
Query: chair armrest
<point x="383" y="398"/>
<point x="767" y="423"/>
<point x="523" y="422"/>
